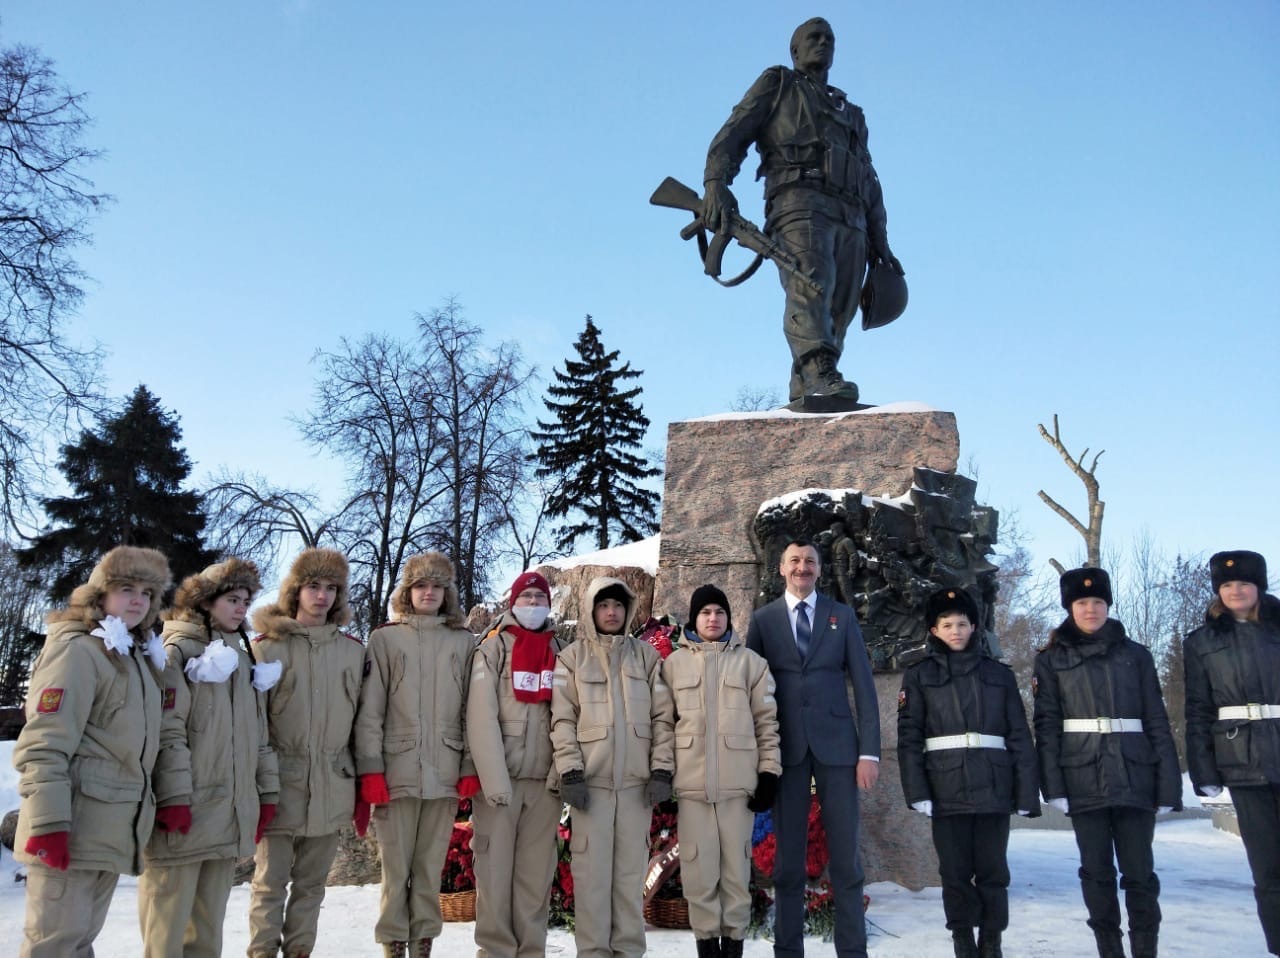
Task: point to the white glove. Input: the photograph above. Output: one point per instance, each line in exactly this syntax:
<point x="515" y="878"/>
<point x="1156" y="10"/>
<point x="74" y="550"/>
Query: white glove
<point x="1164" y="809"/>
<point x="1060" y="804"/>
<point x="925" y="808"/>
<point x="1024" y="812"/>
<point x="1211" y="791"/>
<point x="266" y="675"/>
<point x="215" y="665"/>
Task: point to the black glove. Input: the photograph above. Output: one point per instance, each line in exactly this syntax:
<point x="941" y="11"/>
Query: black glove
<point x="573" y="788"/>
<point x="659" y="787"/>
<point x="766" y="792"/>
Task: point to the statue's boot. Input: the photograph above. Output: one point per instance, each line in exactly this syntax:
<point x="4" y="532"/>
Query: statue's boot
<point x="819" y="377"/>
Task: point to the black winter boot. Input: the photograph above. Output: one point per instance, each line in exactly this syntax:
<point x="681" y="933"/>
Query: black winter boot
<point x="962" y="938"/>
<point x="708" y="947"/>
<point x="730" y="948"/>
<point x="1110" y="944"/>
<point x="1143" y="944"/>
<point x="989" y="944"/>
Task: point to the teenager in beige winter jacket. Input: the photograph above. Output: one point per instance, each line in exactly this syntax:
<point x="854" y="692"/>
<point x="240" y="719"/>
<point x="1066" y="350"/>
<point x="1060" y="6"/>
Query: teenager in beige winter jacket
<point x="727" y="766"/>
<point x="509" y="739"/>
<point x="216" y="777"/>
<point x="612" y="733"/>
<point x="86" y="754"/>
<point x="310" y="716"/>
<point x="409" y="747"/>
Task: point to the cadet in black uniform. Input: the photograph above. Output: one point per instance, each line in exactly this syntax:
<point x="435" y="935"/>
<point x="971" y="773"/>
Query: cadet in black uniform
<point x="1233" y="715"/>
<point x="967" y="761"/>
<point x="1106" y="758"/>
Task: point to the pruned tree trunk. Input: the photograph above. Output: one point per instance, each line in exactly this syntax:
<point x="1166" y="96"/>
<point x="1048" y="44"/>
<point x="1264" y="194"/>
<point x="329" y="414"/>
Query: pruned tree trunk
<point x="1091" y="533"/>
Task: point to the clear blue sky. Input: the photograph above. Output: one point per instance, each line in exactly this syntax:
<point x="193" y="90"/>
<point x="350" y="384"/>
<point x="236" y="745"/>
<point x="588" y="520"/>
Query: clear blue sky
<point x="1085" y="196"/>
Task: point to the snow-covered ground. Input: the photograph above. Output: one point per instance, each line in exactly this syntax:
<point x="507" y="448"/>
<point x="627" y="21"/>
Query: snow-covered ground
<point x="1207" y="900"/>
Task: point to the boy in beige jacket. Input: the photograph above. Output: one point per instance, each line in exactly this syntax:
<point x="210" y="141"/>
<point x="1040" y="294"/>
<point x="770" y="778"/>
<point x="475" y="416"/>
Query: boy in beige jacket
<point x="216" y="778"/>
<point x="86" y="754"/>
<point x="409" y="748"/>
<point x="311" y="712"/>
<point x="611" y="728"/>
<point x="509" y="739"/>
<point x="727" y="768"/>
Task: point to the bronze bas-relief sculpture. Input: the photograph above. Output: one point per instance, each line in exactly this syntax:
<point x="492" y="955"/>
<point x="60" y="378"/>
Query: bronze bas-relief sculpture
<point x="823" y="208"/>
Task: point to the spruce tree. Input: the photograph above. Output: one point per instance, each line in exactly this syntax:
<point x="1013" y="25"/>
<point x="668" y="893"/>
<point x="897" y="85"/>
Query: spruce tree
<point x="126" y="478"/>
<point x="586" y="448"/>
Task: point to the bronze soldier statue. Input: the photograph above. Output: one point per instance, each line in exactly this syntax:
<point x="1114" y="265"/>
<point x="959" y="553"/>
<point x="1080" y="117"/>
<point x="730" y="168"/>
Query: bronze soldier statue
<point x="823" y="204"/>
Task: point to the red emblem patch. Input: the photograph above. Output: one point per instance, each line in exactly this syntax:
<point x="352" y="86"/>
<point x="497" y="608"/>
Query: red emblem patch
<point x="50" y="701"/>
<point x="1035" y="686"/>
<point x="902" y="699"/>
<point x="170" y="698"/>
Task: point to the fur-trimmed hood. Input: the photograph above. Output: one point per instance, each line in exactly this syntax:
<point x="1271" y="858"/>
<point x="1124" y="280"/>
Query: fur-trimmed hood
<point x="586" y="620"/>
<point x="273" y="622"/>
<point x="1268" y="614"/>
<point x="311" y="564"/>
<point x="428" y="567"/>
<point x="121" y="564"/>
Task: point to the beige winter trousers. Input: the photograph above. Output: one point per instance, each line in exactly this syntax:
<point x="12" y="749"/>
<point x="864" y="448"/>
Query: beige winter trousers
<point x="288" y="889"/>
<point x="65" y="911"/>
<point x="715" y="865"/>
<point x="515" y="855"/>
<point x="413" y="839"/>
<point x="182" y="907"/>
<point x="610" y="849"/>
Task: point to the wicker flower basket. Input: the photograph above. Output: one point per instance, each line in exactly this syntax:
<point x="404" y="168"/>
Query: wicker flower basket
<point x="667" y="912"/>
<point x="458" y="905"/>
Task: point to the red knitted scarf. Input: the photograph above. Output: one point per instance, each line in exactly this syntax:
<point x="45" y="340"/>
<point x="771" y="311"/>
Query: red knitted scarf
<point x="533" y="662"/>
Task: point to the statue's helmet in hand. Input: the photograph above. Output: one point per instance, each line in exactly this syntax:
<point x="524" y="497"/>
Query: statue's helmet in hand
<point x="884" y="296"/>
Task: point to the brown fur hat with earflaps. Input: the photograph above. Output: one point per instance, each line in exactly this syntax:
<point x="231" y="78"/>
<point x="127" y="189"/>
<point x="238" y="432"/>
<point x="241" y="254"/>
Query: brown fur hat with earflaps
<point x="429" y="567"/>
<point x="122" y="564"/>
<point x="311" y="564"/>
<point x="214" y="581"/>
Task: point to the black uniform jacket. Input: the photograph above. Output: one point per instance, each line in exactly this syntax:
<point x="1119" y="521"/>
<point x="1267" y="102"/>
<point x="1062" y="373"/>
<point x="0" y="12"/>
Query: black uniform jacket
<point x="1103" y="675"/>
<point x="948" y="693"/>
<point x="1233" y="663"/>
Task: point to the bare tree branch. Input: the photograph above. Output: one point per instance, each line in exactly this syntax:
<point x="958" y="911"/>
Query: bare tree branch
<point x="47" y="385"/>
<point x="1091" y="533"/>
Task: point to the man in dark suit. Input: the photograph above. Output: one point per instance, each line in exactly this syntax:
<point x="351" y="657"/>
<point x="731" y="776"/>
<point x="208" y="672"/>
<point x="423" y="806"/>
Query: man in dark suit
<point x="813" y="646"/>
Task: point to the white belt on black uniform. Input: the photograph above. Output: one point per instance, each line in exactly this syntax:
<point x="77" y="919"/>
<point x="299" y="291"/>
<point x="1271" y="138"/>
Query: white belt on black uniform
<point x="1102" y="726"/>
<point x="939" y="743"/>
<point x="1252" y="712"/>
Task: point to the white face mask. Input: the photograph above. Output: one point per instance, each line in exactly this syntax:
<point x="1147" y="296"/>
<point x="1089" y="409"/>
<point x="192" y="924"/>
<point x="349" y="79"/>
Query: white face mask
<point x="531" y="616"/>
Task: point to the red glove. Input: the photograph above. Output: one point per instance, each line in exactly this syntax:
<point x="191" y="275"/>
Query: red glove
<point x="51" y="849"/>
<point x="373" y="789"/>
<point x="468" y="785"/>
<point x="360" y="819"/>
<point x="266" y="815"/>
<point x="174" y="818"/>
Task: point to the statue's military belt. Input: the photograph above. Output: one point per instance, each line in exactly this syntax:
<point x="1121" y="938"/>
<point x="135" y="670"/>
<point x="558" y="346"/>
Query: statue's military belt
<point x="1250" y="712"/>
<point x="1102" y="726"/>
<point x="968" y="740"/>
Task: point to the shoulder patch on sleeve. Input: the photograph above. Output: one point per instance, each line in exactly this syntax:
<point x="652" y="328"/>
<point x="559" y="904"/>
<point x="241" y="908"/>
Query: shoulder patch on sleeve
<point x="902" y="699"/>
<point x="50" y="701"/>
<point x="1035" y="686"/>
<point x="170" y="698"/>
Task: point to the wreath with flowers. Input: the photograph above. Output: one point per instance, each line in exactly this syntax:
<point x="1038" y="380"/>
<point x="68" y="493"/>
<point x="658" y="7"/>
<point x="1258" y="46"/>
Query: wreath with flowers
<point x="459" y="872"/>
